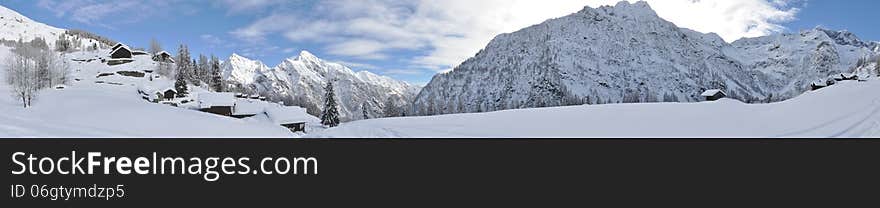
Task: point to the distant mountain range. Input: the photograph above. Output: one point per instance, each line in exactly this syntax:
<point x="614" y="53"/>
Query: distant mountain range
<point x="300" y="81"/>
<point x="626" y="53"/>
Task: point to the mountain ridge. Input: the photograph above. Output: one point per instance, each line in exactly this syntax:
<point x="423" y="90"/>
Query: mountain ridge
<point x="627" y="54"/>
<point x="299" y="80"/>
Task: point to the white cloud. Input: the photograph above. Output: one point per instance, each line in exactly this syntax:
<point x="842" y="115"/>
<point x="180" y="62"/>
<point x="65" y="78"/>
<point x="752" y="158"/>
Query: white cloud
<point x="107" y="13"/>
<point x="245" y="6"/>
<point x="447" y="32"/>
<point x="357" y="66"/>
<point x="398" y="72"/>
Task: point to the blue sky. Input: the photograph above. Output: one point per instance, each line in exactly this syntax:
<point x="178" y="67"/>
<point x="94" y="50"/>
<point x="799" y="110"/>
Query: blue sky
<point x="408" y="40"/>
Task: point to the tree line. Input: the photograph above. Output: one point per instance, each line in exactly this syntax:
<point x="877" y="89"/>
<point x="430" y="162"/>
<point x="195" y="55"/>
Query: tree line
<point x="187" y="70"/>
<point x="31" y="67"/>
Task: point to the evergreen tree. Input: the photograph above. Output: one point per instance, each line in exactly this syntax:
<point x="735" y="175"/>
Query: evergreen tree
<point x="180" y="86"/>
<point x="204" y="70"/>
<point x="364" y="110"/>
<point x="330" y="115"/>
<point x="391" y="109"/>
<point x="183" y="63"/>
<point x="194" y="72"/>
<point x="216" y="75"/>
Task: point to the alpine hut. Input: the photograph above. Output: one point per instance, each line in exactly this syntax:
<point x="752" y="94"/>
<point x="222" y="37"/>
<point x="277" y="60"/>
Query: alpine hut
<point x="169" y="93"/>
<point x="163" y="56"/>
<point x="290" y="117"/>
<point x="714" y="94"/>
<point x="122" y="52"/>
<point x="216" y="103"/>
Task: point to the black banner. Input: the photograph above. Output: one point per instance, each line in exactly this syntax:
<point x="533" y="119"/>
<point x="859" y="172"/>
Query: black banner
<point x="461" y="173"/>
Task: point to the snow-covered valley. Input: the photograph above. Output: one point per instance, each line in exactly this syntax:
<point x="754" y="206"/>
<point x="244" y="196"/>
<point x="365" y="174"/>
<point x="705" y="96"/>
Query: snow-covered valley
<point x="507" y="90"/>
<point x="847" y="109"/>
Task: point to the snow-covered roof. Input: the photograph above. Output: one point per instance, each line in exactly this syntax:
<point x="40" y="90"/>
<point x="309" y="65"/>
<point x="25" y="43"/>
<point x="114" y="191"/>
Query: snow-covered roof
<point x="211" y="99"/>
<point x="249" y="107"/>
<point x="163" y="52"/>
<point x="821" y="83"/>
<point x="117" y="49"/>
<point x="289" y="114"/>
<point x="712" y="92"/>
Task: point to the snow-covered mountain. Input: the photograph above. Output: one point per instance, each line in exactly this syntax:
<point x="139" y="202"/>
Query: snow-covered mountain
<point x="626" y="53"/>
<point x="300" y="81"/>
<point x="17" y="26"/>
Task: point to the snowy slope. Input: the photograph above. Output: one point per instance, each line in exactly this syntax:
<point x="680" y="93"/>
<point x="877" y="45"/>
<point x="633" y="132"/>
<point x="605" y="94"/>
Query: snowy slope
<point x="848" y="109"/>
<point x="110" y="106"/>
<point x="15" y="26"/>
<point x="300" y="81"/>
<point x="626" y="53"/>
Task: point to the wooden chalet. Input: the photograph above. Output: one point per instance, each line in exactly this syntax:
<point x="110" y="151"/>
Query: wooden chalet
<point x="116" y="46"/>
<point x="296" y="127"/>
<point x="290" y="117"/>
<point x="163" y="56"/>
<point x="169" y="94"/>
<point x="714" y="94"/>
<point x="121" y="54"/>
<point x="217" y="103"/>
<point x="818" y="85"/>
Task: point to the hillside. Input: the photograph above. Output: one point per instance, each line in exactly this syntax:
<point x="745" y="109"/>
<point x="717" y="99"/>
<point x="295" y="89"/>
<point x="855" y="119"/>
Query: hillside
<point x="109" y="106"/>
<point x="628" y="54"/>
<point x="847" y="109"/>
<point x="17" y="26"/>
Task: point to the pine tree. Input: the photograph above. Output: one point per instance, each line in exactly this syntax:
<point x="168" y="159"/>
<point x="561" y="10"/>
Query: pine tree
<point x="180" y="86"/>
<point x="194" y="72"/>
<point x="364" y="110"/>
<point x="330" y="115"/>
<point x="183" y="63"/>
<point x="204" y="69"/>
<point x="216" y="75"/>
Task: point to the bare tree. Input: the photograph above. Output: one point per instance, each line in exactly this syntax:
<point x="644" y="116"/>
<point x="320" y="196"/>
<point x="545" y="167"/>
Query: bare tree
<point x="32" y="67"/>
<point x="155" y="47"/>
<point x="21" y="75"/>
